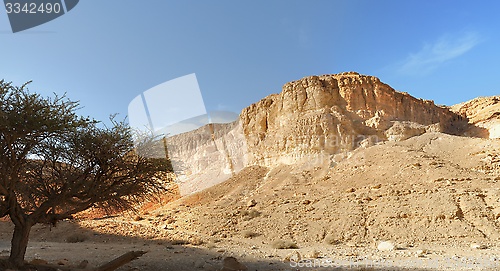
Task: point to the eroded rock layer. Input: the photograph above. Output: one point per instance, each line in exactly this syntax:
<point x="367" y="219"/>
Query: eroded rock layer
<point x="316" y="121"/>
<point x="330" y="114"/>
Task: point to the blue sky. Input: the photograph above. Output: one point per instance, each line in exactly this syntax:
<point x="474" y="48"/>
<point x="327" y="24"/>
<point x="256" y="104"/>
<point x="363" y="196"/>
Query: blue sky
<point x="106" y="52"/>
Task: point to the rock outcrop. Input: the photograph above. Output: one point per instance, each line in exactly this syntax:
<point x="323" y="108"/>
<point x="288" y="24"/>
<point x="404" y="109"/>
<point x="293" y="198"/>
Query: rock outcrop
<point x="207" y="156"/>
<point x="484" y="115"/>
<point x="315" y="121"/>
<point x="319" y="116"/>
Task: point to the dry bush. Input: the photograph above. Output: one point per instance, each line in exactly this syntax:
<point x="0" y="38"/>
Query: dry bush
<point x="196" y="241"/>
<point x="210" y="245"/>
<point x="282" y="244"/>
<point x="249" y="234"/>
<point x="331" y="240"/>
<point x="138" y="218"/>
<point x="247" y="215"/>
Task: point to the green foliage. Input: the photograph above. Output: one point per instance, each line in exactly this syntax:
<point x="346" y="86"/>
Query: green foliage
<point x="54" y="163"/>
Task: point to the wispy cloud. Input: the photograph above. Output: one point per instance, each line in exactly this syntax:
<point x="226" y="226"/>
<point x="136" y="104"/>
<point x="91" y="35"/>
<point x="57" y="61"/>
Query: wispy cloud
<point x="433" y="55"/>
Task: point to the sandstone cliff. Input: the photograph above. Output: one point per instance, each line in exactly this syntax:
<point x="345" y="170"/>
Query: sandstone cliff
<point x="315" y="121"/>
<point x="484" y="114"/>
<point x="319" y="116"/>
<point x="207" y="156"/>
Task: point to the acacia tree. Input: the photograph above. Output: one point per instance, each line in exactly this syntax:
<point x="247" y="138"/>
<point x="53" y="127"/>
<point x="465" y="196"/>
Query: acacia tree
<point x="54" y="164"/>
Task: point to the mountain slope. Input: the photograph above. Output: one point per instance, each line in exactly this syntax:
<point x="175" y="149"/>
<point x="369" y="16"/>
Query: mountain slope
<point x="414" y="191"/>
<point x="484" y="113"/>
<point x="317" y="120"/>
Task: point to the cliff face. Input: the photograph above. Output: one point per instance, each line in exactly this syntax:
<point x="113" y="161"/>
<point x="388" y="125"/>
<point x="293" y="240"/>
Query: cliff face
<point x="315" y="122"/>
<point x="319" y="116"/>
<point x="484" y="115"/>
<point x="207" y="156"/>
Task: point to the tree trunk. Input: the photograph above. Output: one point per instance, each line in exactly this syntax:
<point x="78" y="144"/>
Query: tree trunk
<point x="19" y="244"/>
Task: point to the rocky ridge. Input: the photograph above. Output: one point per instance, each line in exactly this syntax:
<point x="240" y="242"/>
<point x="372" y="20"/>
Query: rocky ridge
<point x="484" y="115"/>
<point x="366" y="177"/>
<point x="330" y="114"/>
<point x="317" y="120"/>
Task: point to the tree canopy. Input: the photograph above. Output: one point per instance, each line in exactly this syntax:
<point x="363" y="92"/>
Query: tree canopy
<point x="54" y="163"/>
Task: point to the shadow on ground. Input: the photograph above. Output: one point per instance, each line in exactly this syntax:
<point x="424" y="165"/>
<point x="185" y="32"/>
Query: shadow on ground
<point x="68" y="245"/>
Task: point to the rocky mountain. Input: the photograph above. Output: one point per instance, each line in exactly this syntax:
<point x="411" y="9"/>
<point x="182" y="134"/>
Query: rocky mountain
<point x="317" y="120"/>
<point x="337" y="169"/>
<point x="331" y="114"/>
<point x="484" y="115"/>
<point x="207" y="155"/>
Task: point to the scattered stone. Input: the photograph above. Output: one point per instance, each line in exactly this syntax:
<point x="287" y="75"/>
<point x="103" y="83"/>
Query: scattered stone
<point x="63" y="262"/>
<point x="284" y="244"/>
<point x="377" y="186"/>
<point x="167" y="227"/>
<point x="421" y="253"/>
<point x="306" y="202"/>
<point x="351" y="190"/>
<point x="231" y="264"/>
<point x="478" y="246"/>
<point x="386" y="246"/>
<point x="292" y="256"/>
<point x="83" y="264"/>
<point x="251" y="203"/>
<point x="351" y="244"/>
<point x="313" y="254"/>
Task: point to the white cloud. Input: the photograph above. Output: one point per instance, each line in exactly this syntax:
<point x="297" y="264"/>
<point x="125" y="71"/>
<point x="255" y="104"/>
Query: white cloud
<point x="433" y="55"/>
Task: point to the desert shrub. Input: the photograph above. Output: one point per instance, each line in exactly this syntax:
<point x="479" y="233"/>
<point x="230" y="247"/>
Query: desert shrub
<point x="249" y="234"/>
<point x="282" y="244"/>
<point x="196" y="241"/>
<point x="247" y="215"/>
<point x="215" y="240"/>
<point x="331" y="240"/>
<point x="169" y="220"/>
<point x="210" y="245"/>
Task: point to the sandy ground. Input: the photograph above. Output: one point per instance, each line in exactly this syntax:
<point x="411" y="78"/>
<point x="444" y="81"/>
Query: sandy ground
<point x="435" y="198"/>
<point x="163" y="254"/>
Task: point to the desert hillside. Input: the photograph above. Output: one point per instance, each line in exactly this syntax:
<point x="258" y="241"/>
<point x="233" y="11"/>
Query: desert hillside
<point x="318" y="119"/>
<point x="433" y="198"/>
<point x="340" y="169"/>
<point x="483" y="113"/>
